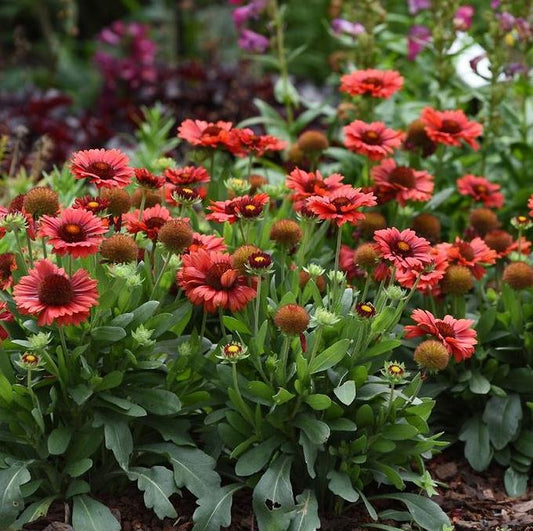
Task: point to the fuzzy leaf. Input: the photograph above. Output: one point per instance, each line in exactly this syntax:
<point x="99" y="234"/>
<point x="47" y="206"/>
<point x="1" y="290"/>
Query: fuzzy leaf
<point x="306" y="518"/>
<point x="515" y="482"/>
<point x="340" y="484"/>
<point x="346" y="392"/>
<point x="11" y="500"/>
<point x="502" y="416"/>
<point x="330" y="357"/>
<point x="477" y="448"/>
<point x="91" y="515"/>
<point x="34" y="511"/>
<point x="157" y="401"/>
<point x="257" y="457"/>
<point x="214" y="510"/>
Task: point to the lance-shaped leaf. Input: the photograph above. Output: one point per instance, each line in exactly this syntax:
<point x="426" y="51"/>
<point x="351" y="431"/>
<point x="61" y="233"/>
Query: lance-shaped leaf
<point x="306" y="518"/>
<point x="214" y="510"/>
<point x="91" y="515"/>
<point x="11" y="501"/>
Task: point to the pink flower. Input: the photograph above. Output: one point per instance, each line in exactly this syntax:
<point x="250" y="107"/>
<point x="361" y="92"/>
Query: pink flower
<point x="481" y="190"/>
<point x="375" y="83"/>
<point x="371" y="139"/>
<point x="404" y="249"/>
<point x="462" y="19"/>
<point x="306" y="184"/>
<point x="417" y="39"/>
<point x="107" y="168"/>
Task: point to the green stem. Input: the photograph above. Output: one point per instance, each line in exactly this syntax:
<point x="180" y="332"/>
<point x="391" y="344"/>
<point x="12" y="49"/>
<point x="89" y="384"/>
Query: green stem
<point x="242" y="404"/>
<point x="30" y="252"/>
<point x="202" y="329"/>
<point x="19" y="246"/>
<point x="62" y="359"/>
<point x="45" y="254"/>
<point x="282" y="376"/>
<point x="222" y="327"/>
<point x="257" y="305"/>
<point x="160" y="276"/>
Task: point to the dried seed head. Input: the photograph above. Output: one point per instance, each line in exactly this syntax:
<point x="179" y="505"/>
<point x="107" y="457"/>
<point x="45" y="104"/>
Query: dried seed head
<point x="241" y="255"/>
<point x="119" y="248"/>
<point x="427" y="226"/>
<point x="119" y="200"/>
<point x="312" y="141"/>
<point x="372" y="222"/>
<point x="483" y="220"/>
<point x="286" y="232"/>
<point x="432" y="355"/>
<point x="292" y="319"/>
<point x="457" y="280"/>
<point x="41" y="201"/>
<point x="366" y="256"/>
<point x="499" y="240"/>
<point x="519" y="275"/>
<point x="176" y="235"/>
<point x="151" y="198"/>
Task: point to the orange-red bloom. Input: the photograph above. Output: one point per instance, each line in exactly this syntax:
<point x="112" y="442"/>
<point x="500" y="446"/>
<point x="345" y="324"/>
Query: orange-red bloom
<point x="341" y="206"/>
<point x="147" y="179"/>
<point x="207" y="242"/>
<point x="375" y="83"/>
<point x="205" y="134"/>
<point x="530" y="205"/>
<point x="7" y="266"/>
<point x="481" y="190"/>
<point x="151" y="221"/>
<point x="76" y="232"/>
<point x="242" y="207"/>
<point x="455" y="334"/>
<point x="208" y="279"/>
<point x="469" y="254"/>
<point x="187" y="176"/>
<point x="49" y="293"/>
<point x="107" y="168"/>
<point x="428" y="277"/>
<point x="404" y="249"/>
<point x="450" y="127"/>
<point x="373" y="140"/>
<point x="306" y="184"/>
<point x="244" y="142"/>
<point x="401" y="183"/>
<point x="92" y="204"/>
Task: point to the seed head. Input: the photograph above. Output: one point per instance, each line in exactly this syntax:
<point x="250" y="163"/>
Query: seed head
<point x="292" y="319"/>
<point x="312" y="141"/>
<point x="519" y="275"/>
<point x="119" y="248"/>
<point x="176" y="235"/>
<point x="432" y="355"/>
<point x="457" y="280"/>
<point x="41" y="201"/>
<point x="286" y="232"/>
<point x="483" y="220"/>
<point x="119" y="200"/>
<point x="428" y="226"/>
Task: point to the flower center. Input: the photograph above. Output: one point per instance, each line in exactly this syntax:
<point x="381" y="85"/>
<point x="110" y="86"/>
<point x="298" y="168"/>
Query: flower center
<point x="374" y="81"/>
<point x="214" y="274"/>
<point x="395" y="369"/>
<point x="93" y="204"/>
<point x="450" y="126"/>
<point x="102" y="169"/>
<point x="30" y="358"/>
<point x="403" y="176"/>
<point x="371" y="137"/>
<point x="7" y="262"/>
<point x="211" y="130"/>
<point x="314" y="184"/>
<point x="445" y="329"/>
<point x="480" y="189"/>
<point x="55" y="290"/>
<point x="340" y="202"/>
<point x="155" y="222"/>
<point x="402" y="246"/>
<point x="72" y="233"/>
<point x="232" y="350"/>
<point x="466" y="251"/>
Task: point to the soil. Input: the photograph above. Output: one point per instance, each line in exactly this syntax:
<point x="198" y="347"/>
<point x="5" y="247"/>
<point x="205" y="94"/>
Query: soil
<point x="472" y="500"/>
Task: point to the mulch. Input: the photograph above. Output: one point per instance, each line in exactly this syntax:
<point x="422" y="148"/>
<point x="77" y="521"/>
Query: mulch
<point x="472" y="500"/>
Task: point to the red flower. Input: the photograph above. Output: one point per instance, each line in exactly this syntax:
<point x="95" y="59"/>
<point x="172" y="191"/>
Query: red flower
<point x="107" y="168"/>
<point x="147" y="179"/>
<point x="76" y="232"/>
<point x="404" y="249"/>
<point x="151" y="221"/>
<point x="92" y="204"/>
<point x="469" y="254"/>
<point x="450" y="127"/>
<point x="242" y="207"/>
<point x="209" y="279"/>
<point x="530" y="205"/>
<point x="187" y="176"/>
<point x="244" y="142"/>
<point x="401" y="183"/>
<point x="347" y="263"/>
<point x="455" y="334"/>
<point x="430" y="275"/>
<point x="375" y="83"/>
<point x="49" y="293"/>
<point x="5" y="316"/>
<point x="341" y="205"/>
<point x="7" y="266"/>
<point x="481" y="190"/>
<point x="206" y="242"/>
<point x="306" y="184"/>
<point x="205" y="134"/>
<point x="373" y="140"/>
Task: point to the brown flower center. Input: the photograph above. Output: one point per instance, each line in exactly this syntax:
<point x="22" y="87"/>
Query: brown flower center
<point x="340" y="202"/>
<point x="403" y="247"/>
<point x="480" y="189"/>
<point x="403" y="176"/>
<point x="376" y="82"/>
<point x="450" y="126"/>
<point x="211" y="130"/>
<point x="214" y="274"/>
<point x="445" y="329"/>
<point x="155" y="222"/>
<point x="55" y="290"/>
<point x="466" y="251"/>
<point x="102" y="169"/>
<point x="314" y="184"/>
<point x="371" y="137"/>
<point x="72" y="233"/>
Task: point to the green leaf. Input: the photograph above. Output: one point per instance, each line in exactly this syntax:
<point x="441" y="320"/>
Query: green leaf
<point x="477" y="448"/>
<point x="346" y="392"/>
<point x="330" y="357"/>
<point x="391" y="473"/>
<point x="341" y="485"/>
<point x="214" y="510"/>
<point x="315" y="429"/>
<point x="176" y="431"/>
<point x="158" y="401"/>
<point x="282" y="396"/>
<point x="502" y="416"/>
<point x="381" y="347"/>
<point x="439" y="198"/>
<point x="6" y="393"/>
<point x="144" y="312"/>
<point x="158" y="485"/>
<point x="58" y="440"/>
<point x="399" y="432"/>
<point x="256" y="458"/>
<point x="91" y="515"/>
<point x="34" y="511"/>
<point x="192" y="468"/>
<point x="318" y="402"/>
<point x="306" y="517"/>
<point x="261" y="390"/>
<point x="515" y="482"/>
<point x="235" y="325"/>
<point x="77" y="487"/>
<point x="118" y="439"/>
<point x="275" y="489"/>
<point x="426" y="513"/>
<point x="11" y="500"/>
<point x="485" y="323"/>
<point x="110" y="381"/>
<point x="80" y="394"/>
<point x="108" y="334"/>
<point x="478" y="384"/>
<point x="78" y="468"/>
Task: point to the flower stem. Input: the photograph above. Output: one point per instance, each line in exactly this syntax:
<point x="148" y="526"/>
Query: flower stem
<point x="245" y="410"/>
<point x="282" y="376"/>
<point x="160" y="275"/>
<point x="257" y="305"/>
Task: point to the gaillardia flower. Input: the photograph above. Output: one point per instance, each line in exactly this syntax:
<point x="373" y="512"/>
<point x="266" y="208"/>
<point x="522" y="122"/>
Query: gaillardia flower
<point x="209" y="280"/>
<point x="480" y="189"/>
<point x="404" y="249"/>
<point x="76" y="232"/>
<point x="205" y="134"/>
<point x="374" y="139"/>
<point x="50" y="294"/>
<point x="306" y="184"/>
<point x="375" y="83"/>
<point x="455" y="334"/>
<point x="106" y="168"/>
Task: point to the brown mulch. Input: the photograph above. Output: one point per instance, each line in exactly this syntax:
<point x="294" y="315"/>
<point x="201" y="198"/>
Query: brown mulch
<point x="472" y="500"/>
